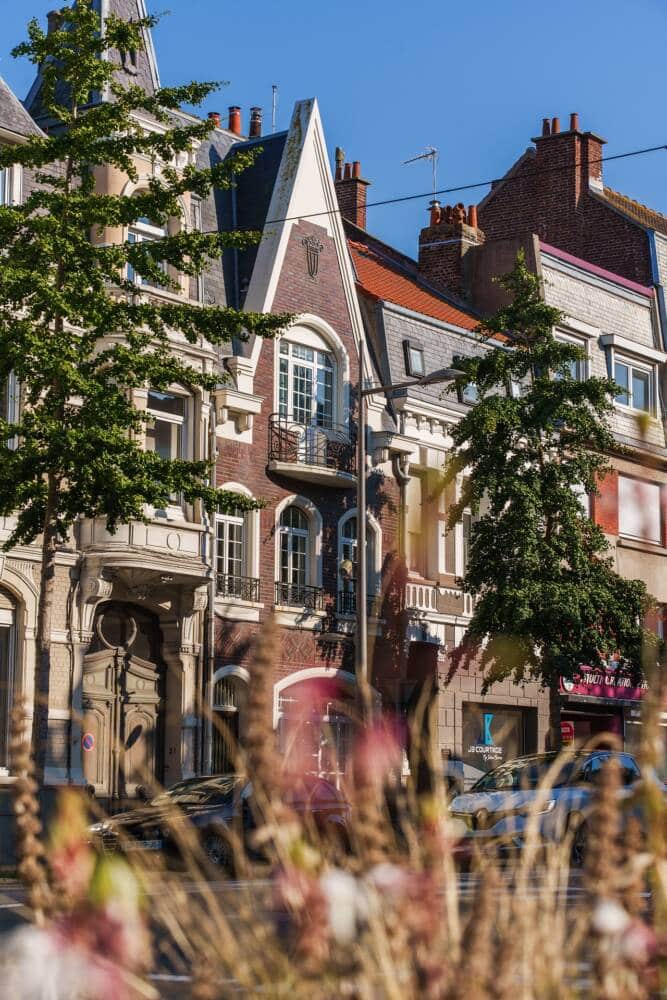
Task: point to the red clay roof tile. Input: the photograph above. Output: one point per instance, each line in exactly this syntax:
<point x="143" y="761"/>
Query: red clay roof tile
<point x="384" y="279"/>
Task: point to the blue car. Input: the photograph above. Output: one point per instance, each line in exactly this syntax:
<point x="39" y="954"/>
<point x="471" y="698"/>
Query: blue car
<point x="496" y="810"/>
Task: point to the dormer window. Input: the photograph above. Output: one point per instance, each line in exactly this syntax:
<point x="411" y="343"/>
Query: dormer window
<point x="414" y="358"/>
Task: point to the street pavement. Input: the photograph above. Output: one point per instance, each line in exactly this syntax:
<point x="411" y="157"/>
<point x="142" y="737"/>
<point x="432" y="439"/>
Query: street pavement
<point x="171" y="980"/>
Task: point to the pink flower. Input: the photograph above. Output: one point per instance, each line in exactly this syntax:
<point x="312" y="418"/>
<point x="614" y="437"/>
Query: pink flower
<point x="378" y="751"/>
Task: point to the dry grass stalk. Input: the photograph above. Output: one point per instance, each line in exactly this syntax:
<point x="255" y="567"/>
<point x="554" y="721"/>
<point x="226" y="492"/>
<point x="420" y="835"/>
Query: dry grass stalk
<point x="30" y="852"/>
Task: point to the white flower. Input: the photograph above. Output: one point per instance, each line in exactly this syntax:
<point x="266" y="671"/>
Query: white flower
<point x="610" y="918"/>
<point x="386" y="877"/>
<point x="35" y="966"/>
<point x="346" y="902"/>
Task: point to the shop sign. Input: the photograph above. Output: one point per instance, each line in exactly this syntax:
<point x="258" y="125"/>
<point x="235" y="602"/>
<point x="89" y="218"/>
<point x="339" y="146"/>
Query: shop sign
<point x="490" y="735"/>
<point x="611" y="682"/>
<point x="567" y="731"/>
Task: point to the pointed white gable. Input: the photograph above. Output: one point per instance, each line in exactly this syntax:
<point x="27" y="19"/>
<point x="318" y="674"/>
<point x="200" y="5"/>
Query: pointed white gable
<point x="304" y="189"/>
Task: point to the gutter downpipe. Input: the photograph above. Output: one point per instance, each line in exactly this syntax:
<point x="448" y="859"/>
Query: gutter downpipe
<point x="659" y="288"/>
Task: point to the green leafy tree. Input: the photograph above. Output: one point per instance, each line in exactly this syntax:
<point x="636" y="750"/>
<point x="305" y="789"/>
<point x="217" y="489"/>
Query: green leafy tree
<point x="74" y="330"/>
<point x="547" y="596"/>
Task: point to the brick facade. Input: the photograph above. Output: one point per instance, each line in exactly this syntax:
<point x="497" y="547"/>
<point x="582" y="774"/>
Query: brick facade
<point x="246" y="463"/>
<point x="553" y="191"/>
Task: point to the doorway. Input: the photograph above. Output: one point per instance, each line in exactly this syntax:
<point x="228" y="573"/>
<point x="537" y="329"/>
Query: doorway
<point x="123" y="701"/>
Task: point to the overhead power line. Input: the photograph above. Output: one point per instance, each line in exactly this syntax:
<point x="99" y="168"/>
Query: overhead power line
<point x="507" y="179"/>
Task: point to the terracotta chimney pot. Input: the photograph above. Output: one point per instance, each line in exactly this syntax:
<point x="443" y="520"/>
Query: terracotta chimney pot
<point x="255" y="122"/>
<point x="574" y="122"/>
<point x="555" y="126"/>
<point x="235" y="119"/>
<point x="546" y="126"/>
<point x="214" y="118"/>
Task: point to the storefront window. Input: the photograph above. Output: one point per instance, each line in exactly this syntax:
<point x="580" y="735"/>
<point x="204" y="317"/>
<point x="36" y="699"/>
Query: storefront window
<point x="494" y="734"/>
<point x="315" y="728"/>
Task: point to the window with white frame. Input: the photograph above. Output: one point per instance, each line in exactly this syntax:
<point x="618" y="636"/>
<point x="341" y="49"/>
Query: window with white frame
<point x="196" y="221"/>
<point x="144" y="231"/>
<point x="577" y="367"/>
<point x="294" y="551"/>
<point x="9" y="402"/>
<point x="7" y="676"/>
<point x="233" y="573"/>
<point x="639" y="509"/>
<point x="348" y="554"/>
<point x="636" y="384"/>
<point x="466" y="534"/>
<point x="166" y="430"/>
<point x="5" y="186"/>
<point x="306" y="384"/>
<point x="415" y="501"/>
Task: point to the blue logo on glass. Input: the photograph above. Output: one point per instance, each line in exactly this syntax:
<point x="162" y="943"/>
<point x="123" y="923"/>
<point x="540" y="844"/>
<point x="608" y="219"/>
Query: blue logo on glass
<point x="488" y="737"/>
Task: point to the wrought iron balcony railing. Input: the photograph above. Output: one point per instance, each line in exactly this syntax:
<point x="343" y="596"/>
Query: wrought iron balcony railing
<point x="347" y="603"/>
<point x="296" y="595"/>
<point x="309" y="444"/>
<point x="246" y="588"/>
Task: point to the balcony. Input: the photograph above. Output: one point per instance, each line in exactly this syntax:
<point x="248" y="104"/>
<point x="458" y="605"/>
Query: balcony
<point x="244" y="588"/>
<point x="421" y="597"/>
<point x="295" y="595"/>
<point x="307" y="452"/>
<point x="347" y="603"/>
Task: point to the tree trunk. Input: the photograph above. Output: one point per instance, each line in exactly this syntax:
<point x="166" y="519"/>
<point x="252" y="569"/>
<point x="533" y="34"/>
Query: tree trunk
<point x="555" y="735"/>
<point x="40" y="722"/>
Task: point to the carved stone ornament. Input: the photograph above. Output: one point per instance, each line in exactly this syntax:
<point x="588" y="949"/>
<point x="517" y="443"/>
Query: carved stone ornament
<point x="313" y="250"/>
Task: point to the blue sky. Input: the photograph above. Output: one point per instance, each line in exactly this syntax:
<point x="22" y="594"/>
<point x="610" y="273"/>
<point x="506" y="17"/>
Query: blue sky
<point x="474" y="79"/>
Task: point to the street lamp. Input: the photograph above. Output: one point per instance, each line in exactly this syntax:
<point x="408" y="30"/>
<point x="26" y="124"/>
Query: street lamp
<point x="361" y="644"/>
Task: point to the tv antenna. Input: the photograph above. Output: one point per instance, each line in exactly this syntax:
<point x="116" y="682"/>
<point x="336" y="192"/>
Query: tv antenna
<point x="274" y="105"/>
<point x="432" y="154"/>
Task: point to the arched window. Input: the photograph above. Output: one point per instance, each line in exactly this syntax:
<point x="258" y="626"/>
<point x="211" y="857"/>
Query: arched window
<point x="294" y="543"/>
<point x="306" y="384"/>
<point x="347" y="565"/>
<point x="229" y="700"/>
<point x="144" y="231"/>
<point x="7" y="679"/>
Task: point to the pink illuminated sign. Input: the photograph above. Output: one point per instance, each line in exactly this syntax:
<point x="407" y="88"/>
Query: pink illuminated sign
<point x="610" y="683"/>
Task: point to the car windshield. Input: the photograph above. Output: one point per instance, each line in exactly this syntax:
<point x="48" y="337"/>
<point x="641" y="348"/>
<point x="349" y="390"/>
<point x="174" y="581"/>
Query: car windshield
<point x="523" y="775"/>
<point x="189" y="793"/>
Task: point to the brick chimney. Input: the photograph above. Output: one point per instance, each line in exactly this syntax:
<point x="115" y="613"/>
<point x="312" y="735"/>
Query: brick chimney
<point x="350" y="190"/>
<point x="235" y="119"/>
<point x="214" y="118"/>
<point x="255" y="123"/>
<point x="569" y="162"/>
<point x="451" y="233"/>
<point x="54" y="20"/>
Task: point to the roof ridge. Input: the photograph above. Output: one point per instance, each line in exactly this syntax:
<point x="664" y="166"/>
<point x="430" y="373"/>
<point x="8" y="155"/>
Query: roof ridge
<point x="635" y="201"/>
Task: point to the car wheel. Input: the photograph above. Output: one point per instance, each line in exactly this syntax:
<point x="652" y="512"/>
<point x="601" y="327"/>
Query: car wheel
<point x="579" y="841"/>
<point x="217" y="850"/>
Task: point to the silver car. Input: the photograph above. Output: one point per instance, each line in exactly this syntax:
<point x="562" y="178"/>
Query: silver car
<point x="497" y="808"/>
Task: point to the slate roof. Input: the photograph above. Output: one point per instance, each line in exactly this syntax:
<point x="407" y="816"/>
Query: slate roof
<point x="634" y="210"/>
<point x="382" y="275"/>
<point x="13" y="116"/>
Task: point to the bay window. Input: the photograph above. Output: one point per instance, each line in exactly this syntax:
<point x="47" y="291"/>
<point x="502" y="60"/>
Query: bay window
<point x="144" y="231"/>
<point x="165" y="433"/>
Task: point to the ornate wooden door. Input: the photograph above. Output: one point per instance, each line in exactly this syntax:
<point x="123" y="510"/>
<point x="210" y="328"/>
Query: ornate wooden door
<point x="122" y="743"/>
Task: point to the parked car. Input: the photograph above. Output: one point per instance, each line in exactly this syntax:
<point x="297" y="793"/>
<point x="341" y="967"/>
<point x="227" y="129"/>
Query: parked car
<point x="497" y="807"/>
<point x="217" y="808"/>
